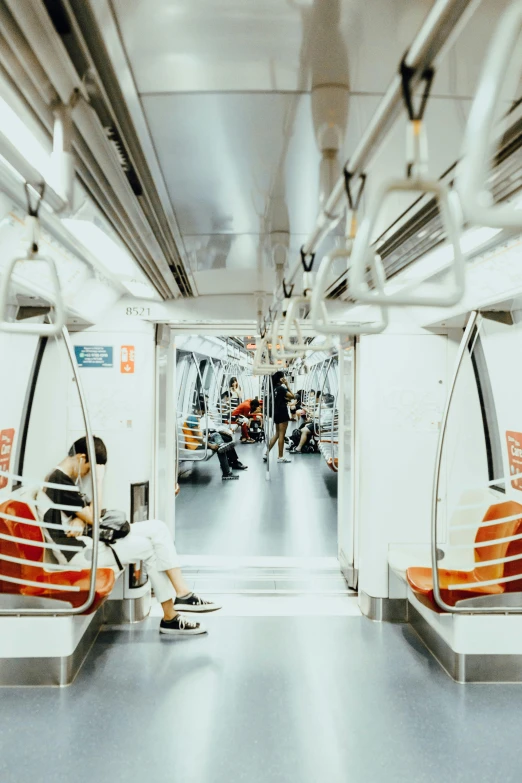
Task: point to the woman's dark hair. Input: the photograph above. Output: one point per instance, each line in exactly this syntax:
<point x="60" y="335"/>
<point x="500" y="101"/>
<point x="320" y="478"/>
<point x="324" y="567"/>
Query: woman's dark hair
<point x="231" y="381"/>
<point x="254" y="404"/>
<point x="225" y="394"/>
<point x="277" y="377"/>
<point x="80" y="447"/>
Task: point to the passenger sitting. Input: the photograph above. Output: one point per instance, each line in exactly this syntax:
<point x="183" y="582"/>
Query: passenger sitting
<point x="247" y="410"/>
<point x="307" y="431"/>
<point x="149" y="541"/>
<point x="219" y="439"/>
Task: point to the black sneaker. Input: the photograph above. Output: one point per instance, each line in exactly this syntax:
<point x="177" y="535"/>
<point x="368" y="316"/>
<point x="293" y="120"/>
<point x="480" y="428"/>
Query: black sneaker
<point x="193" y="603"/>
<point x="239" y="466"/>
<point x="181" y="626"/>
<point x="229" y="477"/>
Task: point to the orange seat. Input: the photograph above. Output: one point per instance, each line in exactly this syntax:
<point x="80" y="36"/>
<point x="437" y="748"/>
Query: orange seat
<point x="29" y="551"/>
<point x="490" y="545"/>
<point x="193" y="436"/>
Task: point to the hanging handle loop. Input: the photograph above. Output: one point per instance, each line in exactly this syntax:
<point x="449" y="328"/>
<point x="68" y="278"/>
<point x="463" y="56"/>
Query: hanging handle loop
<point x="416" y="139"/>
<point x="17" y="327"/>
<point x="353" y="202"/>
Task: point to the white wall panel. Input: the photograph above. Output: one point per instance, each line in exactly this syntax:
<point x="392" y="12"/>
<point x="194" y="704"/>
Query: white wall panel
<point x="398" y="410"/>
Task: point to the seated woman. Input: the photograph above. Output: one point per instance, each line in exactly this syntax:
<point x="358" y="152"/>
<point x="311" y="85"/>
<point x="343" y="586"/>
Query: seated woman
<point x="247" y="409"/>
<point x="149" y="541"/>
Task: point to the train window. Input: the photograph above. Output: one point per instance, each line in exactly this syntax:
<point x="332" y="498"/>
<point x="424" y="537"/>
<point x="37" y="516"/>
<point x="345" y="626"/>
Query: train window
<point x="489" y="414"/>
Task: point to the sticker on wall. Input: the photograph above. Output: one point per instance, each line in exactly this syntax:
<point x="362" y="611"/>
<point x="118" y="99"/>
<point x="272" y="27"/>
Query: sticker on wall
<point x="514" y="446"/>
<point x="127" y="354"/>
<point x="6" y="447"/>
<point x="93" y="355"/>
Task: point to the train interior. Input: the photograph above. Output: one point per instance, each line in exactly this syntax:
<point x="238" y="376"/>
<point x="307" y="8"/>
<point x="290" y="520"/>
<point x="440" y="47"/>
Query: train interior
<point x="260" y="303"/>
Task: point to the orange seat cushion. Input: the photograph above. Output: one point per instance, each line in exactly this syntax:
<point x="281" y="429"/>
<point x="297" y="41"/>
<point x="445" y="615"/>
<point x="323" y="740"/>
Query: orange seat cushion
<point x="31" y="534"/>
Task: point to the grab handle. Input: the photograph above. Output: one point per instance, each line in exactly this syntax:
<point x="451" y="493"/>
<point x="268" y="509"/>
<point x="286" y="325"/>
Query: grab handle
<point x="291" y="320"/>
<point x="503" y="59"/>
<point x="42" y="330"/>
<point x="319" y="311"/>
<point x="450" y="294"/>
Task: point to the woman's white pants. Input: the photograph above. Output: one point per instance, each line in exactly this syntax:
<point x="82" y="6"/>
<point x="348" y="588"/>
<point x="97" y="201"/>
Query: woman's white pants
<point x="148" y="541"/>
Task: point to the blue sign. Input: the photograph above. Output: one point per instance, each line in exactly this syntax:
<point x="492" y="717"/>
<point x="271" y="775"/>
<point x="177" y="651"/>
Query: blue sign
<point x="93" y="355"/>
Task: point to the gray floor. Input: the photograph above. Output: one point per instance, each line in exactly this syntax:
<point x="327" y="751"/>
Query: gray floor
<point x="262" y="700"/>
<point x="295" y="514"/>
<point x="286" y="687"/>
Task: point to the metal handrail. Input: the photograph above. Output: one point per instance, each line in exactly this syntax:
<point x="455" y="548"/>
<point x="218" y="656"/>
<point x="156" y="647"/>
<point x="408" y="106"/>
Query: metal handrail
<point x="334" y="408"/>
<point x="39" y="329"/>
<point x="268" y="417"/>
<point x="451" y="216"/>
<point x="91" y="454"/>
<point x="328" y="362"/>
<point x="201" y="459"/>
<point x="34" y="482"/>
<point x="441" y="26"/>
<point x="460" y="607"/>
<point x="299" y="348"/>
<point x="486" y="111"/>
<point x="319" y="310"/>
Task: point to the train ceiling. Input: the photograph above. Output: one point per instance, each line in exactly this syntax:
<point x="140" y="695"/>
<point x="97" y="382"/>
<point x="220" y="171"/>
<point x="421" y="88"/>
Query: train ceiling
<point x="218" y="110"/>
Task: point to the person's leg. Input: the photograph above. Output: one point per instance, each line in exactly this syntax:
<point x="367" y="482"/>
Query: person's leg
<point x="305" y="436"/>
<point x="136" y="547"/>
<point x="274" y="438"/>
<point x="168" y="562"/>
<point x="245" y="434"/>
<point x="281" y="438"/>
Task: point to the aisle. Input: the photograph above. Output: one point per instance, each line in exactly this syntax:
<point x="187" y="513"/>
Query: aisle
<point x="262" y="699"/>
<point x="294" y="514"/>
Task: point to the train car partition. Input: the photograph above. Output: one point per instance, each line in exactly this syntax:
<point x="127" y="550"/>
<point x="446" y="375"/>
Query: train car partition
<point x="29" y="583"/>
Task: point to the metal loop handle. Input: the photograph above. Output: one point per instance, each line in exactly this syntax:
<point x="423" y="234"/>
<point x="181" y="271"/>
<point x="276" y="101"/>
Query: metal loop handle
<point x="503" y="59"/>
<point x="319" y="310"/>
<point x="451" y="216"/>
<point x="262" y="365"/>
<point x="42" y="330"/>
<point x="291" y="320"/>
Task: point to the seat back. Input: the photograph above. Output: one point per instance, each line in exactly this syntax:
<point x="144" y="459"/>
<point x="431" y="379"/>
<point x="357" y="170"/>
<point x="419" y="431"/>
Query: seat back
<point x="464" y="524"/>
<point x="22" y="550"/>
<point x="193" y="436"/>
<point x="509" y="514"/>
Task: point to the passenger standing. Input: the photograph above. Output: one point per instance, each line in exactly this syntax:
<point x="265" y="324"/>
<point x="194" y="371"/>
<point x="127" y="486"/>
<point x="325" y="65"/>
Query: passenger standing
<point x="282" y="395"/>
<point x="235" y="392"/>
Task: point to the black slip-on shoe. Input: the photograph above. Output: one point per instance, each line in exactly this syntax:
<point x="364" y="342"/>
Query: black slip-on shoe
<point x="181" y="626"/>
<point x="239" y="466"/>
<point x="229" y="477"/>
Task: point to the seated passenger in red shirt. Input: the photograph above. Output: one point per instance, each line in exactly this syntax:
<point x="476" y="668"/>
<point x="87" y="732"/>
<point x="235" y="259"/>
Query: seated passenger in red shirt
<point x="247" y="410"/>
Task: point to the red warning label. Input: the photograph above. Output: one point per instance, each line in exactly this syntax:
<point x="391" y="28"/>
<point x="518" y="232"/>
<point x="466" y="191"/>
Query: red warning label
<point x="6" y="448"/>
<point x="514" y="447"/>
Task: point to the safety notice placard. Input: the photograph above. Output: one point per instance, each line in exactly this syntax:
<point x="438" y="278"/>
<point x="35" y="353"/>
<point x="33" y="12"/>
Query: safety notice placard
<point x="127" y="355"/>
<point x="514" y="447"/>
<point x="6" y="448"/>
<point x="93" y="355"/>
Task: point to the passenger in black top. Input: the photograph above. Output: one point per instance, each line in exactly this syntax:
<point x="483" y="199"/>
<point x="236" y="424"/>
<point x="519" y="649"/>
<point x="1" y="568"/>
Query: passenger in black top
<point x="282" y="395"/>
<point x="69" y="472"/>
<point x="149" y="541"/>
